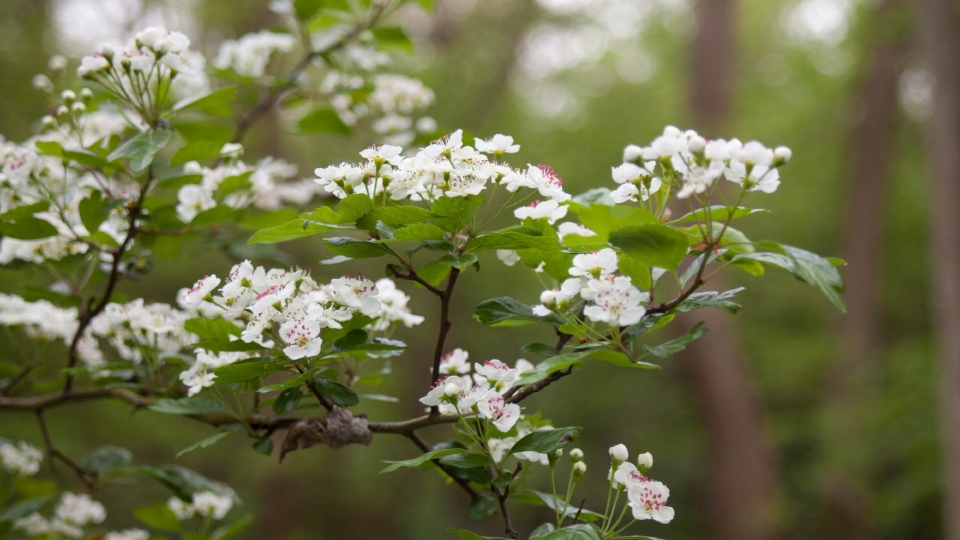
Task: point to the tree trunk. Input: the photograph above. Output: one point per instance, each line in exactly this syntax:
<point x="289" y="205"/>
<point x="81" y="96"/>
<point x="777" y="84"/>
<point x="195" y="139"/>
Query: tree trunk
<point x="742" y="481"/>
<point x="941" y="34"/>
<point x="849" y="515"/>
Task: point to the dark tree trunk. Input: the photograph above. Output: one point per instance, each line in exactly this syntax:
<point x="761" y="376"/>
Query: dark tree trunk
<point x="941" y="33"/>
<point x="849" y="514"/>
<point x="742" y="481"/>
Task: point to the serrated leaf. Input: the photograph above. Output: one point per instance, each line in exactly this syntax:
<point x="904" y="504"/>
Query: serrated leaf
<point x="216" y="102"/>
<point x="338" y="393"/>
<point x="287" y="400"/>
<point x="209" y="441"/>
<point x="652" y="244"/>
<point x="553" y="364"/>
<point x="719" y="214"/>
<point x="467" y="460"/>
<point x="218" y="329"/>
<point x="418" y="231"/>
<point x="710" y="299"/>
<point x="191" y="405"/>
<point x="142" y="148"/>
<point x="579" y="531"/>
<point x="291" y="230"/>
<point x="506" y="311"/>
<point x="107" y="457"/>
<point x="672" y="347"/>
<point x="354" y="248"/>
<point x="420" y="460"/>
<point x="545" y="441"/>
<point x="323" y="120"/>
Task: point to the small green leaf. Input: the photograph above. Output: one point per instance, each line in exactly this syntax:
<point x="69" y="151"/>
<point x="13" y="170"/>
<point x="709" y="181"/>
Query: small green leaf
<point x="553" y="364"/>
<point x="652" y="245"/>
<point x="287" y="400"/>
<point x="216" y="103"/>
<point x="142" y="148"/>
<point x="233" y="529"/>
<point x="418" y="461"/>
<point x="354" y="248"/>
<point x="506" y="311"/>
<point x="467" y="460"/>
<point x="23" y="509"/>
<point x="27" y="228"/>
<point x="209" y="441"/>
<point x="710" y="299"/>
<point x="579" y="531"/>
<point x="719" y="214"/>
<point x="158" y="516"/>
<point x="392" y="38"/>
<point x="218" y="329"/>
<point x="192" y="405"/>
<point x="245" y="370"/>
<point x="420" y="232"/>
<point x="227" y="346"/>
<point x="107" y="457"/>
<point x="291" y="230"/>
<point x="603" y="219"/>
<point x="92" y="212"/>
<point x="25" y="211"/>
<point x="402" y="215"/>
<point x="545" y="441"/>
<point x="263" y="446"/>
<point x="482" y="506"/>
<point x="338" y="393"/>
<point x="670" y="348"/>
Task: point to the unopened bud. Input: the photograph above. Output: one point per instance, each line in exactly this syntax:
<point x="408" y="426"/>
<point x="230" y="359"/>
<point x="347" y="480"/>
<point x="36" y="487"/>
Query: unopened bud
<point x="107" y="51"/>
<point x="632" y="153"/>
<point x="697" y="144"/>
<point x="78" y="108"/>
<point x="49" y="122"/>
<point x="576" y="455"/>
<point x="554" y="457"/>
<point x="451" y="390"/>
<point x="86" y="94"/>
<point x="579" y="468"/>
<point x="619" y="453"/>
<point x="68" y="96"/>
<point x="62" y="111"/>
<point x="782" y="155"/>
<point x="57" y="64"/>
<point x="645" y="462"/>
<point x="42" y="82"/>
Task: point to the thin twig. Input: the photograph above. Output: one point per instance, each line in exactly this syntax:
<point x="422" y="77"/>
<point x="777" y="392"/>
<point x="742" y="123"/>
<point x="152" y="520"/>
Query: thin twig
<point x="87" y="476"/>
<point x="465" y="484"/>
<point x="444" y="324"/>
<point x="576" y="518"/>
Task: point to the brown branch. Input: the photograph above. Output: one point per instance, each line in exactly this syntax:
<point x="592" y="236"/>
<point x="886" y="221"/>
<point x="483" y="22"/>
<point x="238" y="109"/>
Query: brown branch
<point x="87" y="476"/>
<point x="464" y="484"/>
<point x="518" y="394"/>
<point x="274" y="95"/>
<point x="576" y="518"/>
<point x="444" y="324"/>
<point x="502" y="500"/>
<point x="413" y="276"/>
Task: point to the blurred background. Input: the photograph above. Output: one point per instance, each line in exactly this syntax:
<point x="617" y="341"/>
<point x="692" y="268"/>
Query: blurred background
<point x="790" y="420"/>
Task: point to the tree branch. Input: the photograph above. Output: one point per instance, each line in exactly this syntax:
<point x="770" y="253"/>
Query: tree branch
<point x="87" y="476"/>
<point x="444" y="324"/>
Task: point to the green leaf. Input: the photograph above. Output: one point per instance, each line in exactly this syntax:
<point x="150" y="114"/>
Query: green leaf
<point x="639" y="274"/>
<point x="158" y="516"/>
<point x="323" y="120"/>
<point x="434" y="272"/>
<point x="540" y="349"/>
<point x="263" y="446"/>
<point x="672" y="347"/>
<point x="555" y="262"/>
<point x="603" y="219"/>
<point x="25" y="211"/>
<point x="91" y="211"/>
<point x="467" y="535"/>
<point x="23" y="509"/>
<point x="338" y="393"/>
<point x="418" y="461"/>
<point x="142" y="148"/>
<point x="354" y="248"/>
<point x="553" y="364"/>
<point x="191" y="405"/>
<point x="468" y="460"/>
<point x="218" y="329"/>
<point x="227" y="346"/>
<point x="620" y="360"/>
<point x="266" y="220"/>
<point x="306" y="9"/>
<point x="209" y="441"/>
<point x="420" y="232"/>
<point x="579" y="531"/>
<point x="710" y="299"/>
<point x="805" y="266"/>
<point x="287" y="400"/>
<point x="652" y="245"/>
<point x="482" y="506"/>
<point x="216" y="103"/>
<point x="461" y="262"/>
<point x="353" y="339"/>
<point x="246" y="370"/>
<point x="719" y="213"/>
<point x="506" y="311"/>
<point x="27" y="228"/>
<point x="212" y="216"/>
<point x="545" y="441"/>
<point x="291" y="230"/>
<point x="107" y="457"/>
<point x="402" y="215"/>
<point x="392" y="38"/>
<point x="548" y="500"/>
<point x="181" y="480"/>
<point x="542" y="530"/>
<point x="233" y="529"/>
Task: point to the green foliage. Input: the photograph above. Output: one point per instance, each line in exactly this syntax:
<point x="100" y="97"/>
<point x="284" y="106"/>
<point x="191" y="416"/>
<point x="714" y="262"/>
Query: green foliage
<point x="508" y="312"/>
<point x="652" y="244"/>
<point x="420" y="460"/>
<point x="545" y="441"/>
<point x="141" y="149"/>
<point x="672" y="347"/>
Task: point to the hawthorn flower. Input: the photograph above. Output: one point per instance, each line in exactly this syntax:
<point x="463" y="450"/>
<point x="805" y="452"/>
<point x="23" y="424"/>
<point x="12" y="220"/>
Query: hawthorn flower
<point x="549" y="210"/>
<point x="393" y="306"/>
<point x="210" y="504"/>
<point x="249" y="55"/>
<point x="499" y="447"/>
<point x="559" y="298"/>
<point x="512" y="179"/>
<point x="437" y="394"/>
<point x="455" y="362"/>
<point x="20" y="459"/>
<point x="500" y="376"/>
<point x="504" y="416"/>
<point x="508" y="257"/>
<point x="356" y="292"/>
<point x="595" y="264"/>
<point x="383" y="154"/>
<point x="648" y="500"/>
<point x="627" y="474"/>
<point x="547" y="182"/>
<point x="78" y="509"/>
<point x="445" y="145"/>
<point x="497" y="145"/>
<point x="645" y="461"/>
<point x="614" y="301"/>
<point x="303" y="338"/>
<point x="619" y="453"/>
<point x="192" y="298"/>
<point x="193" y="199"/>
<point x="569" y="227"/>
<point x="128" y="534"/>
<point x="696" y="179"/>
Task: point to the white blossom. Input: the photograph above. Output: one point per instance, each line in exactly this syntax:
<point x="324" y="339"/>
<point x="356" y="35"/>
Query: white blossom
<point x="594" y="264"/>
<point x="614" y="301"/>
<point x="21" y="458"/>
<point x="648" y="500"/>
<point x="503" y="416"/>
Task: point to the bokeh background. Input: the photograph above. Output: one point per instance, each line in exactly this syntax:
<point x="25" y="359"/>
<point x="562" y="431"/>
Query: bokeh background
<point x="789" y="421"/>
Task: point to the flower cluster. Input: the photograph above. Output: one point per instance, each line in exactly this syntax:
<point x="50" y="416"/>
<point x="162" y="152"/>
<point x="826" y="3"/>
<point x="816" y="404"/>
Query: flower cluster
<point x="691" y="164"/>
<point x="20" y="459"/>
<point x="289" y="307"/>
<point x="647" y="498"/>
<point x="394" y="100"/>
<point x="480" y="393"/>
<point x="612" y="299"/>
<point x="206" y="504"/>
<point x="148" y="70"/>
<point x="445" y="168"/>
<point x="72" y="513"/>
<point x="137" y="331"/>
<point x="249" y="55"/>
<point x="266" y="186"/>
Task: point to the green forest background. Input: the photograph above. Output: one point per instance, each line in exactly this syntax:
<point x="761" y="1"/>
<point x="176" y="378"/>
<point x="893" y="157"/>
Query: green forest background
<point x="833" y="418"/>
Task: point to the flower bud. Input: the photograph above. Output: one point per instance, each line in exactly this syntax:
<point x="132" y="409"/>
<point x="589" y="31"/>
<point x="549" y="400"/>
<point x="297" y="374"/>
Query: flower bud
<point x="782" y="155"/>
<point x="645" y="462"/>
<point x="576" y="455"/>
<point x="68" y="96"/>
<point x="232" y="150"/>
<point x="78" y="108"/>
<point x="42" y="82"/>
<point x="632" y="153"/>
<point x="554" y="457"/>
<point x="697" y="144"/>
<point x="619" y="453"/>
<point x="106" y="50"/>
<point x="578" y="469"/>
<point x="86" y="94"/>
<point x="62" y="111"/>
<point x="451" y="390"/>
<point x="57" y="64"/>
<point x="49" y="122"/>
